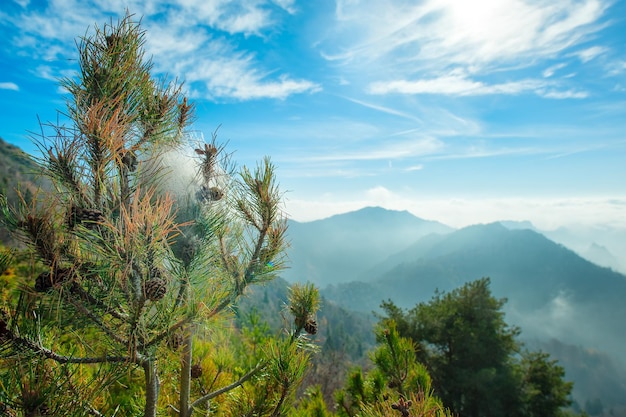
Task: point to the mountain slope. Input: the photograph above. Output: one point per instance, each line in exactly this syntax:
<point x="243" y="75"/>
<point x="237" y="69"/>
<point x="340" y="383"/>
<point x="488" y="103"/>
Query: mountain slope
<point x="17" y="171"/>
<point x="551" y="291"/>
<point x="341" y="248"/>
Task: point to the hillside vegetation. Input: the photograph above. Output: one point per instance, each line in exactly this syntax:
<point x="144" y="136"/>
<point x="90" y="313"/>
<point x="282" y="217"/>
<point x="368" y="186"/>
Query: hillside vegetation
<point x="18" y="176"/>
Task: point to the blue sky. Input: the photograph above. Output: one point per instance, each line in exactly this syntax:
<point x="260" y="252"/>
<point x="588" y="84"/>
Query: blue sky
<point x="459" y="111"/>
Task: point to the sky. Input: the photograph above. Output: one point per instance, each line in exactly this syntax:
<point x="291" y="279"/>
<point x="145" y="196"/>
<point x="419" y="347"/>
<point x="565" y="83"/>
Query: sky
<point x="458" y="111"/>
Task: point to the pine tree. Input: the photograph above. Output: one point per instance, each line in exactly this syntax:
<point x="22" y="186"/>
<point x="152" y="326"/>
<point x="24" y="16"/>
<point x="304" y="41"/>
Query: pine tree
<point x="474" y="357"/>
<point x="398" y="385"/>
<point x="130" y="271"/>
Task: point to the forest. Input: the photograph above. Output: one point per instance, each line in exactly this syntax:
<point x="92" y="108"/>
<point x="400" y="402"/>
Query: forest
<point x="129" y="288"/>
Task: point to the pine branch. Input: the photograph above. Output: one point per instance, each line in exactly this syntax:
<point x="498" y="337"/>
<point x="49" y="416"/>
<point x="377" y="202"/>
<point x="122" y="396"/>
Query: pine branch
<point x="225" y="389"/>
<point x="98" y="322"/>
<point x="50" y="354"/>
<point x="84" y="295"/>
<point x="165" y="333"/>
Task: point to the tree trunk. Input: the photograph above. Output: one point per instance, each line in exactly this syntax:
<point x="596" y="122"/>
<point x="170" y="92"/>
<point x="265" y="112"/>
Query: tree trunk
<point x="152" y="387"/>
<point x="185" y="373"/>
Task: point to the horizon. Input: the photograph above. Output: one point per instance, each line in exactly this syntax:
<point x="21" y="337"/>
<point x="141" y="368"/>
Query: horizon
<point x="459" y="113"/>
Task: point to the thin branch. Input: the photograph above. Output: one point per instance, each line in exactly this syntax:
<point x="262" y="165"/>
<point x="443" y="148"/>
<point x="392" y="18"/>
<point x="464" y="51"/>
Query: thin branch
<point x="50" y="354"/>
<point x="167" y="332"/>
<point x="227" y="388"/>
<point x="97" y="321"/>
<point x="94" y="412"/>
<point x="84" y="295"/>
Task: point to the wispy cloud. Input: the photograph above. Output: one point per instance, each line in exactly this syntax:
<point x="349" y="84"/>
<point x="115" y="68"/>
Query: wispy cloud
<point x="416" y="47"/>
<point x="460" y="85"/>
<point x="457" y="85"/>
<point x="9" y="86"/>
<point x="385" y="109"/>
<point x="588" y="54"/>
<point x="381" y="151"/>
<point x="559" y="95"/>
<point x="474" y="33"/>
<point x="549" y="72"/>
<point x="186" y="38"/>
<point x="415" y="168"/>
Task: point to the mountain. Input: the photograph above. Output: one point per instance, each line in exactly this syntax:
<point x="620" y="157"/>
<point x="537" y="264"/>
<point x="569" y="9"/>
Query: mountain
<point x="551" y="291"/>
<point x="600" y="255"/>
<point x="517" y="225"/>
<point x="342" y="248"/>
<point x="582" y="238"/>
<point x="563" y="303"/>
<point x="596" y="375"/>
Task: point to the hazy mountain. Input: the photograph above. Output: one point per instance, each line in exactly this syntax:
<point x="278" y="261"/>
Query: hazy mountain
<point x="551" y="291"/>
<point x="517" y="225"/>
<point x="600" y="255"/>
<point x="581" y="237"/>
<point x="570" y="307"/>
<point x="341" y="248"/>
<point x="597" y="376"/>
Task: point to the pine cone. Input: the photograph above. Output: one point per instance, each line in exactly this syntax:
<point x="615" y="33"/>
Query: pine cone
<point x="310" y="326"/>
<point x="46" y="280"/>
<point x="208" y="194"/>
<point x="196" y="371"/>
<point x="129" y="160"/>
<point x="80" y="215"/>
<point x="155" y="287"/>
<point x="33" y="403"/>
<point x="402" y="406"/>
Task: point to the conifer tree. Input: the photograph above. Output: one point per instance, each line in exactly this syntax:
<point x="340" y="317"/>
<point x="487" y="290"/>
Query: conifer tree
<point x="476" y="362"/>
<point x="398" y="385"/>
<point x="130" y="272"/>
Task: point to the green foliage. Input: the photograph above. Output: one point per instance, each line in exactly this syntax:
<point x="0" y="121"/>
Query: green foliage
<point x="343" y="336"/>
<point x="132" y="280"/>
<point x="397" y="382"/>
<point x="474" y="358"/>
<point x="312" y="404"/>
<point x="544" y="390"/>
<point x="395" y="361"/>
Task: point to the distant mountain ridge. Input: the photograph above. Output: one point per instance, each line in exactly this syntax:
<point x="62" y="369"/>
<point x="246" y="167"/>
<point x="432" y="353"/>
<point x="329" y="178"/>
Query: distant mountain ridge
<point x="342" y="248"/>
<point x="551" y="291"/>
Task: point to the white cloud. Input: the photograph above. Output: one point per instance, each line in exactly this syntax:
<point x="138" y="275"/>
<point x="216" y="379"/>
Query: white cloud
<point x="456" y="85"/>
<point x="544" y="213"/>
<point x="474" y="33"/>
<point x="287" y="5"/>
<point x="549" y="72"/>
<point x="384" y="109"/>
<point x="418" y="146"/>
<point x="186" y="38"/>
<point x="410" y="47"/>
<point x="560" y="95"/>
<point x="234" y="76"/>
<point x="9" y="86"/>
<point x="617" y="68"/>
<point x="588" y="54"/>
<point x="415" y="168"/>
<point x="379" y="195"/>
